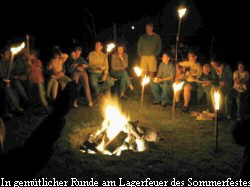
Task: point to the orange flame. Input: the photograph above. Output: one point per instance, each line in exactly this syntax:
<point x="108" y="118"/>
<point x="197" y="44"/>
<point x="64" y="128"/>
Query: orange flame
<point x="138" y="71"/>
<point x="145" y="80"/>
<point x="15" y="50"/>
<point x="217" y="100"/>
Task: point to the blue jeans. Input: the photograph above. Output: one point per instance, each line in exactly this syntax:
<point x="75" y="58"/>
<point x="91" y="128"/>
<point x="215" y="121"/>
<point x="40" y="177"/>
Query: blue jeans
<point x="240" y="101"/>
<point x="123" y="78"/>
<point x="100" y="86"/>
<point x="165" y="89"/>
<point x="21" y="86"/>
<point x="204" y="90"/>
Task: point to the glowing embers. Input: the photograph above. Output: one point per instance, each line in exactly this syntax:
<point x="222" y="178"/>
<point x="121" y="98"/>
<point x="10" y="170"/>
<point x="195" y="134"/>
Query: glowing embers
<point x="117" y="132"/>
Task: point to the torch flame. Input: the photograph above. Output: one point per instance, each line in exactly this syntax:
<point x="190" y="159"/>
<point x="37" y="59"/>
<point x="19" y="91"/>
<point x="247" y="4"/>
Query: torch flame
<point x="178" y="86"/>
<point x="16" y="50"/>
<point x="182" y="12"/>
<point x="145" y="80"/>
<point x="110" y="47"/>
<point x="217" y="100"/>
<point x="138" y="71"/>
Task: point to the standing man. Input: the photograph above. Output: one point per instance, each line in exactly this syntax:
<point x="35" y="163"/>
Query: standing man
<point x="148" y="47"/>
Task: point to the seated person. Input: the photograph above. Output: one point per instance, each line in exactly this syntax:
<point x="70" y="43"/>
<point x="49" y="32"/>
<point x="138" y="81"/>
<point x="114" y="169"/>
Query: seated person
<point x="205" y="84"/>
<point x="164" y="81"/>
<point x="36" y="77"/>
<point x="99" y="68"/>
<point x="119" y="64"/>
<point x="193" y="71"/>
<point x="20" y="76"/>
<point x="240" y="88"/>
<point x="222" y="82"/>
<point x="58" y="76"/>
<point x="77" y="69"/>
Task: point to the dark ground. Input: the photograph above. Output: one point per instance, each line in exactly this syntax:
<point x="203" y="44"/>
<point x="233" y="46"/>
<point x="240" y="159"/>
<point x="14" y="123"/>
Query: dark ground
<point x="186" y="148"/>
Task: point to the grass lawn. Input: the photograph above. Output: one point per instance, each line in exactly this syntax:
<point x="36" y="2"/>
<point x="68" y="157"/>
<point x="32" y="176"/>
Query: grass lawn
<point x="186" y="149"/>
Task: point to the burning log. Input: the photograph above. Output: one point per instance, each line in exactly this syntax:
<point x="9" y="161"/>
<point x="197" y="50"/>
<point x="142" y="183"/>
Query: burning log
<point x="117" y="142"/>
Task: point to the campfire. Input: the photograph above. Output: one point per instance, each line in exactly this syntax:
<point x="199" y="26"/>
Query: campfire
<point x="117" y="133"/>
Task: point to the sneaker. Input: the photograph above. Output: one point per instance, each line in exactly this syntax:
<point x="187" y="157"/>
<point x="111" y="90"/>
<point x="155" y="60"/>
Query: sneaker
<point x="45" y="110"/>
<point x="156" y="103"/>
<point x="164" y="105"/>
<point x="185" y="109"/>
<point x="90" y="104"/>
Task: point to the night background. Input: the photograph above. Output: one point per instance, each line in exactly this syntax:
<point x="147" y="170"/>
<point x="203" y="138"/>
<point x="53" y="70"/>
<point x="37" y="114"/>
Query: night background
<point x="186" y="149"/>
<point x="63" y="24"/>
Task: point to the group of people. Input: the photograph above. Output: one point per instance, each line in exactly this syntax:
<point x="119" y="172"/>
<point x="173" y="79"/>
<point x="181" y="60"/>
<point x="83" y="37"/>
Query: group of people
<point x="197" y="78"/>
<point x="24" y="77"/>
<point x="95" y="75"/>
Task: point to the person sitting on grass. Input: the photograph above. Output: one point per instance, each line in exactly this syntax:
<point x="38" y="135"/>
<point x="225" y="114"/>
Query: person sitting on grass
<point x="77" y="69"/>
<point x="205" y="85"/>
<point x="193" y="71"/>
<point x="163" y="82"/>
<point x="36" y="77"/>
<point x="20" y="76"/>
<point x="99" y="69"/>
<point x="222" y="82"/>
<point x="240" y="88"/>
<point x="119" y="64"/>
<point x="58" y="76"/>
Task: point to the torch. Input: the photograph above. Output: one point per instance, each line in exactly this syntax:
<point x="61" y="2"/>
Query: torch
<point x="181" y="12"/>
<point x="216" y="107"/>
<point x="145" y="81"/>
<point x="138" y="71"/>
<point x="110" y="47"/>
<point x="177" y="87"/>
<point x="14" y="51"/>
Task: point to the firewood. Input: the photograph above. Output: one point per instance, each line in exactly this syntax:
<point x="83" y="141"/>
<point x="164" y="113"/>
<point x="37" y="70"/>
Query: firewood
<point x="116" y="142"/>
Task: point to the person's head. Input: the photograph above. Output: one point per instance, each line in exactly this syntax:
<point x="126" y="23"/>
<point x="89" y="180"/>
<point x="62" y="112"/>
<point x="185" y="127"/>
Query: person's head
<point x="241" y="67"/>
<point x="166" y="57"/>
<point x="73" y="55"/>
<point x="120" y="49"/>
<point x="2" y="135"/>
<point x="215" y="63"/>
<point x="78" y="51"/>
<point x="33" y="54"/>
<point x="206" y="68"/>
<point x="192" y="56"/>
<point x="7" y="54"/>
<point x="56" y="52"/>
<point x="98" y="46"/>
<point x="149" y="28"/>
